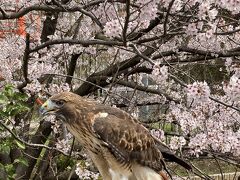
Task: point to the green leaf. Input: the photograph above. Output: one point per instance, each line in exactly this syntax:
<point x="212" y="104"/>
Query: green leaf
<point x="20" y="96"/>
<point x="4" y="148"/>
<point x="3" y="99"/>
<point x="21" y="160"/>
<point x="20" y="144"/>
<point x="9" y="90"/>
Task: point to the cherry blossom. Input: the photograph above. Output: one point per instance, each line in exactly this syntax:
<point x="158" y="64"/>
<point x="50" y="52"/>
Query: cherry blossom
<point x="198" y="92"/>
<point x="83" y="173"/>
<point x="177" y="142"/>
<point x="232" y="89"/>
<point x="192" y="29"/>
<point x="160" y="73"/>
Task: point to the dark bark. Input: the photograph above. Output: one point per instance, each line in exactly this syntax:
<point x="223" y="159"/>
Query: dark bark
<point x="72" y="66"/>
<point x="87" y="88"/>
<point x="49" y="26"/>
<point x="152" y="25"/>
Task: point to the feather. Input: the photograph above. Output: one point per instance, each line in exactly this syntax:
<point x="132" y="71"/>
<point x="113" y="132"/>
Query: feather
<point x="128" y="141"/>
<point x="120" y="146"/>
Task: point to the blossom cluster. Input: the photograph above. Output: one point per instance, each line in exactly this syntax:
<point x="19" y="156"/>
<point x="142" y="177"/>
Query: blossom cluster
<point x="177" y="142"/>
<point x="160" y="73"/>
<point x="209" y="126"/>
<point x="232" y="89"/>
<point x="84" y="173"/>
<point x="10" y="57"/>
<point x="114" y="21"/>
<point x="198" y="92"/>
<point x="158" y="133"/>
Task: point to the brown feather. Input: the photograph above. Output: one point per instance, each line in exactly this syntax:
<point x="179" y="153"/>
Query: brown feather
<point x="99" y="127"/>
<point x="125" y="140"/>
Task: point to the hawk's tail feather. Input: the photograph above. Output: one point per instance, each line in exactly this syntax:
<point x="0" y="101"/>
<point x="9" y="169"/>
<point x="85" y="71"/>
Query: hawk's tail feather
<point x="170" y="156"/>
<point x="174" y="158"/>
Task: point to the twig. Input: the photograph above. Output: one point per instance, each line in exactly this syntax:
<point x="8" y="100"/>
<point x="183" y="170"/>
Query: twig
<point x="126" y="21"/>
<point x="225" y="159"/>
<point x="166" y="18"/>
<point x="140" y="54"/>
<point x="218" y="166"/>
<point x="147" y="89"/>
<point x="210" y="97"/>
<point x="227" y="105"/>
<point x="100" y="87"/>
<point x="204" y="176"/>
<point x="31" y="144"/>
<point x="73" y="41"/>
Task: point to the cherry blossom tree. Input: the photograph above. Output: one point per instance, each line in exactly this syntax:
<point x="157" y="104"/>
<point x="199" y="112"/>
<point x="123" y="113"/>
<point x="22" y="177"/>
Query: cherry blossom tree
<point x="173" y="64"/>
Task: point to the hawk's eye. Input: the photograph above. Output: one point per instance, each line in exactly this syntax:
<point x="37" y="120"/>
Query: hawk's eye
<point x="59" y="103"/>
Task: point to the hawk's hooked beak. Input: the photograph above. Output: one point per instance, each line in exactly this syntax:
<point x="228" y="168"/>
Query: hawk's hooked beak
<point x="48" y="107"/>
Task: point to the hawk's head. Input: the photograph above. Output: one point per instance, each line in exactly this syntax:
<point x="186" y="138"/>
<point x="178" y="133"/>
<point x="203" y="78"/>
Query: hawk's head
<point x="63" y="105"/>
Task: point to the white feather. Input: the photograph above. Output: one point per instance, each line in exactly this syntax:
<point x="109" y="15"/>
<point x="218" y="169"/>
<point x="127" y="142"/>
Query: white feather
<point x="117" y="176"/>
<point x="101" y="115"/>
<point x="145" y="173"/>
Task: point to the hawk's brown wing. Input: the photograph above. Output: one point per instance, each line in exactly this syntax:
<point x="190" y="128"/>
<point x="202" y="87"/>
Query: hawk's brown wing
<point x="125" y="118"/>
<point x="128" y="141"/>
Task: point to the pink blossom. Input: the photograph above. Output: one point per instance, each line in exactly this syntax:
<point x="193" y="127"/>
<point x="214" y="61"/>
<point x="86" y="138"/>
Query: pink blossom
<point x="212" y="13"/>
<point x="63" y="145"/>
<point x="232" y="89"/>
<point x="158" y="133"/>
<point x="203" y="9"/>
<point x="83" y="173"/>
<point x="160" y="74"/>
<point x="177" y="142"/>
<point x="191" y="29"/>
<point x="228" y="61"/>
<point x="198" y="91"/>
<point x="113" y="28"/>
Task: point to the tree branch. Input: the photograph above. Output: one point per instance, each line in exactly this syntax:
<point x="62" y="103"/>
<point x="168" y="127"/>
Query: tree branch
<point x="124" y="35"/>
<point x="212" y="98"/>
<point x="205" y="54"/>
<point x="146" y="89"/>
<point x="73" y="41"/>
<point x="25" y="64"/>
<point x="51" y="9"/>
<point x="153" y="24"/>
<point x="31" y="144"/>
<point x="86" y="88"/>
<point x="166" y="18"/>
<point x="72" y="67"/>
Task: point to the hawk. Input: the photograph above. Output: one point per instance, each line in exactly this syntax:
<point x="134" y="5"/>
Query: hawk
<point x="118" y="144"/>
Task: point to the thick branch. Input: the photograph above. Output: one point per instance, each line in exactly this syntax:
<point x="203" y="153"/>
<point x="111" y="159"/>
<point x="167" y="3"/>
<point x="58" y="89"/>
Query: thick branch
<point x="205" y="54"/>
<point x="72" y="67"/>
<point x="152" y="25"/>
<point x="73" y="41"/>
<point x="49" y="26"/>
<point x="95" y="78"/>
<point x="25" y="63"/>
